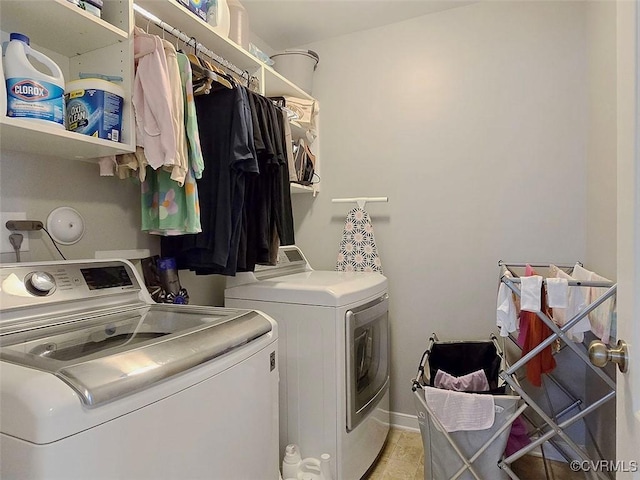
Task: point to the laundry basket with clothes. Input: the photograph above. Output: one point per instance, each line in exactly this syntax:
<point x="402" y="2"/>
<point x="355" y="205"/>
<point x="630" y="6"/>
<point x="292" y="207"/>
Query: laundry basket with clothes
<point x="465" y="414"/>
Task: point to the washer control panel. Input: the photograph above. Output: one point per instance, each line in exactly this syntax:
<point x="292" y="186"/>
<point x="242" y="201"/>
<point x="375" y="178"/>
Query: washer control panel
<point x="30" y="284"/>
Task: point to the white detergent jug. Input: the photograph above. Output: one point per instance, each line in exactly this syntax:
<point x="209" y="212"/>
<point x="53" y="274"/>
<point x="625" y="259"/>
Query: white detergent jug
<point x="314" y="469"/>
<point x="220" y="17"/>
<point x="3" y="87"/>
<point x="296" y="468"/>
<point x="325" y="467"/>
<point x="32" y="94"/>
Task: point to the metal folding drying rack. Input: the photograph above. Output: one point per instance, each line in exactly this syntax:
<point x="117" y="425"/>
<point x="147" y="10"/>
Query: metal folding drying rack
<point x="553" y="426"/>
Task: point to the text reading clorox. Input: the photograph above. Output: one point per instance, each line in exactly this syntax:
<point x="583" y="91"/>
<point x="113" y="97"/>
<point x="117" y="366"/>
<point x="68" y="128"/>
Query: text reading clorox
<point x="35" y="99"/>
<point x="28" y="90"/>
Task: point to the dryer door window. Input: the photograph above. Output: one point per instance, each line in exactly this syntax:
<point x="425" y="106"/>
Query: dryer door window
<point x="367" y="363"/>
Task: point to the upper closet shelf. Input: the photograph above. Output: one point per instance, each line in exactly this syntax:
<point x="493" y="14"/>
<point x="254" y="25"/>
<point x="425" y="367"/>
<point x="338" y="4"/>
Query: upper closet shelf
<point x="182" y="19"/>
<point x="178" y="16"/>
<point x="297" y="188"/>
<point x="86" y="32"/>
<point x="277" y="86"/>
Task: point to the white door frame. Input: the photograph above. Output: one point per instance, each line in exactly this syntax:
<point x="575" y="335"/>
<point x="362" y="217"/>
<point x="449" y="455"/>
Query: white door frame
<point x="628" y="236"/>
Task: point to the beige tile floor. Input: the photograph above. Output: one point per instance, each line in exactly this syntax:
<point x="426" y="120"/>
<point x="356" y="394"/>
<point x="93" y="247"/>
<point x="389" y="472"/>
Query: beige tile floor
<point x="402" y="458"/>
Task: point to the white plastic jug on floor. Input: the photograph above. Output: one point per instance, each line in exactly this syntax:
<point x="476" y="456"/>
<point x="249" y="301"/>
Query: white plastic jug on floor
<point x="291" y="462"/>
<point x="31" y="94"/>
<point x="295" y="468"/>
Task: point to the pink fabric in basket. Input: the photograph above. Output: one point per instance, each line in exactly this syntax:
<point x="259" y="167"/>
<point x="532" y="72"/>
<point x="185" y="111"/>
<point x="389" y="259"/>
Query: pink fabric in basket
<point x="518" y="437"/>
<point x="472" y="382"/>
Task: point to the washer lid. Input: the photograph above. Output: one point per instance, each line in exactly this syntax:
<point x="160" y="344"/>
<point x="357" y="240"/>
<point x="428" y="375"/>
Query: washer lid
<point x="106" y="357"/>
<point x="322" y="288"/>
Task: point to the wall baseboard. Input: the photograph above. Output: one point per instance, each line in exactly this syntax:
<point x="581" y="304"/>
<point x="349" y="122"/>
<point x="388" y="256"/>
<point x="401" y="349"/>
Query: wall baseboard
<point x="404" y="421"/>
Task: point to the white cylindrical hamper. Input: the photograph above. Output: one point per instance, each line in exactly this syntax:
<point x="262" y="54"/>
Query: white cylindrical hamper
<point x="297" y="66"/>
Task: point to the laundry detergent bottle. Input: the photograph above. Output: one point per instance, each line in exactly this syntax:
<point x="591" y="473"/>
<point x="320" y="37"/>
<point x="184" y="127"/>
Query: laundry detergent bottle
<point x="291" y="462"/>
<point x="3" y="86"/>
<point x="32" y="94"/>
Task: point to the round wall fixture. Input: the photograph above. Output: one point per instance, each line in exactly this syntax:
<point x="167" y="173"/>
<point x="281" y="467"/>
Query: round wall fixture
<point x="65" y="225"/>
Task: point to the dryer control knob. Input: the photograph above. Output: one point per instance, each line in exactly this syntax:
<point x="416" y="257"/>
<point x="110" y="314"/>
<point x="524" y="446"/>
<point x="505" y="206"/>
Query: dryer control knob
<point x="40" y="283"/>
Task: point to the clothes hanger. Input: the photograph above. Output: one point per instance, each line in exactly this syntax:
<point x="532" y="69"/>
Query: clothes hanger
<point x="247" y="77"/>
<point x="193" y="58"/>
<point x="201" y="77"/>
<point x="204" y="73"/>
<point x="218" y="75"/>
<point x="202" y="80"/>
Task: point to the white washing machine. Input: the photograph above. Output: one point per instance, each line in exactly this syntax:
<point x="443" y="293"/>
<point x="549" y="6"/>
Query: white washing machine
<point x="97" y="381"/>
<point x="334" y="356"/>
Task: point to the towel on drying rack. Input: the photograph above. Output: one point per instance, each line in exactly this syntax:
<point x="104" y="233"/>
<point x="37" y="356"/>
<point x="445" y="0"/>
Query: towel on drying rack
<point x="532" y="332"/>
<point x="576" y="302"/>
<point x="531" y="291"/>
<point x="506" y="313"/>
<point x="600" y="318"/>
<point x="558" y="292"/>
<point x="358" y="252"/>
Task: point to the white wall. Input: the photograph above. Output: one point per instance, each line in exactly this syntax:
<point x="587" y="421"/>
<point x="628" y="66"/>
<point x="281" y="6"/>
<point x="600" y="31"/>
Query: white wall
<point x="110" y="207"/>
<point x="473" y="122"/>
<point x="601" y="158"/>
<point x="601" y="192"/>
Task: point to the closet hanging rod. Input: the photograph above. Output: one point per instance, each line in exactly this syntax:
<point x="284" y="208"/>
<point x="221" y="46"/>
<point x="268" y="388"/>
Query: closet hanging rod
<point x="190" y="41"/>
<point x="536" y="265"/>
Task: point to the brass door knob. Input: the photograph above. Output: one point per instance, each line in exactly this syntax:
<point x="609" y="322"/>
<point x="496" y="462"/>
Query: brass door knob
<point x="600" y="355"/>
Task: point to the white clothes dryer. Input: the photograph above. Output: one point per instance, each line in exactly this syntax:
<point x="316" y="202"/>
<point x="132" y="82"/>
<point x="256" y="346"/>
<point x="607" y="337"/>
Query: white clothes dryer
<point x="97" y="381"/>
<point x="334" y="356"/>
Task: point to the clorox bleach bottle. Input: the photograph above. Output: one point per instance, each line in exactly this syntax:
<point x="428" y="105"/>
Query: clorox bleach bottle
<point x="32" y="94"/>
<point x="3" y="88"/>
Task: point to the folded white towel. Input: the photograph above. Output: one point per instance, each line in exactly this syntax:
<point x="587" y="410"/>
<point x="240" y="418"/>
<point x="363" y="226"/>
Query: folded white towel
<point x="576" y="303"/>
<point x="531" y="293"/>
<point x="557" y="292"/>
<point x="506" y="315"/>
<point x="600" y="318"/>
<point x="461" y="411"/>
<point x="471" y="382"/>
